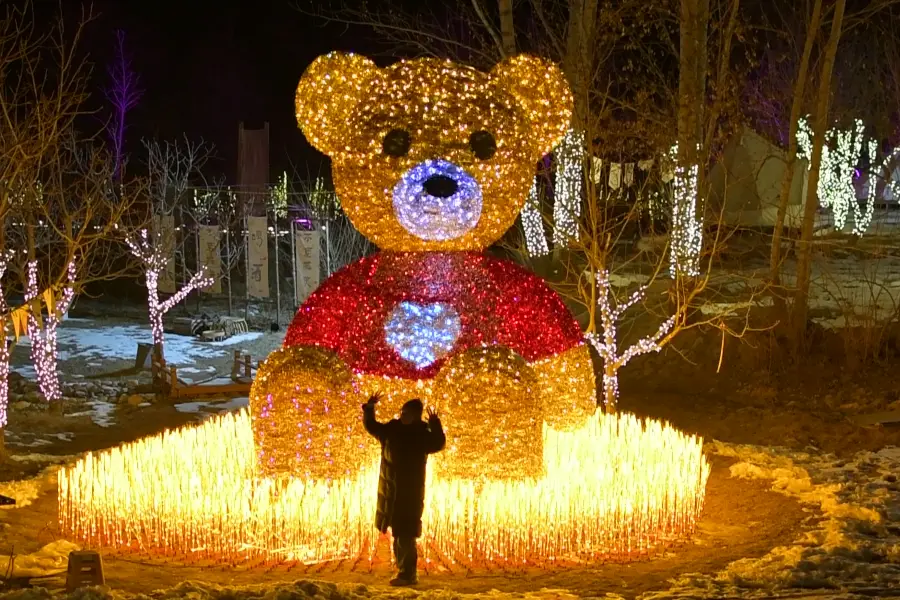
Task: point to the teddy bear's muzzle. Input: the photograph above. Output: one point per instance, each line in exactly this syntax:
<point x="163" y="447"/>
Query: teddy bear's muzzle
<point x="437" y="200"/>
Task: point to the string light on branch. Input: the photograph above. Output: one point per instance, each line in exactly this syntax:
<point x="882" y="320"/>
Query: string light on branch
<point x="533" y="224"/>
<point x="687" y="227"/>
<point x="568" y="188"/>
<point x="890" y="171"/>
<point x="862" y="220"/>
<point x="606" y="343"/>
<point x="42" y="331"/>
<point x="5" y="258"/>
<point x="841" y="154"/>
<point x="154" y="262"/>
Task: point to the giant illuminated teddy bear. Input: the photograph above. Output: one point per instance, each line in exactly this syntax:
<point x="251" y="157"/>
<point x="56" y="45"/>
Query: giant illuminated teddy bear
<point x="432" y="162"/>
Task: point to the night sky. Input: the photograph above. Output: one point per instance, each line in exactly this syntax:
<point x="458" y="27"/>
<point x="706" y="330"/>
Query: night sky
<point x="206" y="66"/>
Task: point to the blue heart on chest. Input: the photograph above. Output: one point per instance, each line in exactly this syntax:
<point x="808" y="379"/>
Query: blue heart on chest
<point x="422" y="333"/>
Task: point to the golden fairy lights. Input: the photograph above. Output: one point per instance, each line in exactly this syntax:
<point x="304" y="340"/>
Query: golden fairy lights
<point x="346" y="107"/>
<point x="494" y="403"/>
<point x="617" y="487"/>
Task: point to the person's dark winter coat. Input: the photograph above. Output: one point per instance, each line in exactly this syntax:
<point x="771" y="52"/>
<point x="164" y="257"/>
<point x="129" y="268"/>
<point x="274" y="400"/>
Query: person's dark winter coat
<point x="401" y="482"/>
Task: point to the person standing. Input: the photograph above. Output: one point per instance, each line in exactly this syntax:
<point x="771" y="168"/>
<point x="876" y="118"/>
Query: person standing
<point x="405" y="445"/>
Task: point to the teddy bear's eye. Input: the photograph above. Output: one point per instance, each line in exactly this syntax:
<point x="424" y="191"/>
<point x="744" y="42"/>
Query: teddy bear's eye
<point x="483" y="144"/>
<point x="396" y="143"/>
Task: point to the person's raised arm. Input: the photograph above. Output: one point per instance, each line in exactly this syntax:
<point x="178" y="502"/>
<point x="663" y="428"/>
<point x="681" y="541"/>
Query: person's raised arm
<point x="375" y="429"/>
<point x="436" y="438"/>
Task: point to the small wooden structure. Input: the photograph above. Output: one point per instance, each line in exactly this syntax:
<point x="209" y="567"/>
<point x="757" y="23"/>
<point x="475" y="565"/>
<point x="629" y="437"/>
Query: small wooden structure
<point x="85" y="568"/>
<point x="167" y="382"/>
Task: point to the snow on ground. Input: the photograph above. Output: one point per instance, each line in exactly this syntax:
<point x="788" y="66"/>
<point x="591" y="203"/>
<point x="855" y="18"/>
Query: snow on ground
<point x="52" y="559"/>
<point x="27" y="439"/>
<point x="211" y="408"/>
<point x="853" y="548"/>
<point x="26" y="371"/>
<point x="100" y="412"/>
<point x="90" y="339"/>
<point x="26" y="491"/>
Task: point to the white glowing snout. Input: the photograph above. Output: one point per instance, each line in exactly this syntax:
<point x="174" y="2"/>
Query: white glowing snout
<point x="437" y="200"/>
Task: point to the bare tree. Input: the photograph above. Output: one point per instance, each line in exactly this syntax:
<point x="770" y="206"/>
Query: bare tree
<point x="58" y="208"/>
<point x="800" y="307"/>
<point x="123" y="93"/>
<point x="171" y="167"/>
<point x="812" y="31"/>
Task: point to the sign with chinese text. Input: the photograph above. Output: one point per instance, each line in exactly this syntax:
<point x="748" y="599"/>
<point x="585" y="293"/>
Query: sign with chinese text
<point x="258" y="257"/>
<point x="306" y="263"/>
<point x="210" y="257"/>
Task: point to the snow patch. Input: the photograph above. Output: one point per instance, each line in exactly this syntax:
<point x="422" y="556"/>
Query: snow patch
<point x="26" y="491"/>
<point x="95" y="340"/>
<point x="52" y="559"/>
<point x="197" y="407"/>
<point x="852" y="543"/>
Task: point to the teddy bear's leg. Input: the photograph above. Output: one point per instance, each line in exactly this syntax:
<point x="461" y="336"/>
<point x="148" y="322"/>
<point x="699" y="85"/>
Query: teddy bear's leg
<point x="305" y="414"/>
<point x="568" y="388"/>
<point x="490" y="406"/>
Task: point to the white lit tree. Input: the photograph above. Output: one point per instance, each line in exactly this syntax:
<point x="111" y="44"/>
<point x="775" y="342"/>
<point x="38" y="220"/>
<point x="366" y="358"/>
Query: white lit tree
<point x="606" y="343"/>
<point x="154" y="261"/>
<point x="171" y="166"/>
<point x="42" y="329"/>
<point x="5" y="259"/>
<point x="841" y="155"/>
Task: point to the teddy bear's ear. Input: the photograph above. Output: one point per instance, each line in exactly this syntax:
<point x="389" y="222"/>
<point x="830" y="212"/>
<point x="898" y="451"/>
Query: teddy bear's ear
<point x="542" y="92"/>
<point x="329" y="89"/>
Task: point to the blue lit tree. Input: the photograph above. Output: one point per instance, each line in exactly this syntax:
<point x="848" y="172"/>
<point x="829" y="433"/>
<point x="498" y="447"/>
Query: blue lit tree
<point x="124" y="93"/>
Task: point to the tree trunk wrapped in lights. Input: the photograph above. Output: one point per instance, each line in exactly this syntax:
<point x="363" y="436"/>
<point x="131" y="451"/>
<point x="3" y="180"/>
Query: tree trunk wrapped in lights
<point x="4" y="347"/>
<point x="533" y="224"/>
<point x="154" y="262"/>
<point x="43" y="335"/>
<point x="606" y="343"/>
<point x="687" y="228"/>
<point x="568" y="188"/>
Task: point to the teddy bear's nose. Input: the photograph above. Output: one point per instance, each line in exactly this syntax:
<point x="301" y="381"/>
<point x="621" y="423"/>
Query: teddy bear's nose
<point x="440" y="186"/>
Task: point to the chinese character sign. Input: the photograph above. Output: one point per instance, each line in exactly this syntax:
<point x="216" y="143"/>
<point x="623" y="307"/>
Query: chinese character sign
<point x="258" y="257"/>
<point x="164" y="240"/>
<point x="306" y="263"/>
<point x="210" y="257"/>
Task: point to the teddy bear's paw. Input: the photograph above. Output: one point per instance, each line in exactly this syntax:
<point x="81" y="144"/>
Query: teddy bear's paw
<point x="490" y="403"/>
<point x="568" y="388"/>
<point x="305" y="415"/>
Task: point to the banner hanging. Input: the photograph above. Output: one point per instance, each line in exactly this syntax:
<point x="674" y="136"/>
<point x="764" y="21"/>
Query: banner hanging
<point x="258" y="257"/>
<point x="615" y="175"/>
<point x="306" y="263"/>
<point x="210" y="257"/>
